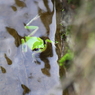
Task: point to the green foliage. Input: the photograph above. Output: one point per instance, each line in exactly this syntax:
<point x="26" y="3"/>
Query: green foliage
<point x="91" y="40"/>
<point x="67" y="33"/>
<point x="74" y="2"/>
<point x="56" y="42"/>
<point x="68" y="30"/>
<point x="69" y="1"/>
<point x="62" y="10"/>
<point x="68" y="56"/>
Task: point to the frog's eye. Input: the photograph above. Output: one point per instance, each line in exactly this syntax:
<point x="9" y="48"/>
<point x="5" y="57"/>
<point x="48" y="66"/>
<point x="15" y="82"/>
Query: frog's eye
<point x="36" y="49"/>
<point x="41" y="48"/>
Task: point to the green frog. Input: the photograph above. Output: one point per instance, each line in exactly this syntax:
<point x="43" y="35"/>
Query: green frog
<point x="33" y="42"/>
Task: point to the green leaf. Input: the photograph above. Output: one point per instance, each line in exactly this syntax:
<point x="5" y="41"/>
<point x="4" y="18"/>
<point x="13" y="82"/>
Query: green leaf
<point x="62" y="10"/>
<point x="61" y="24"/>
<point x="30" y="27"/>
<point x="69" y="1"/>
<point x="56" y="42"/>
<point x="67" y="56"/>
<point x="61" y="64"/>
